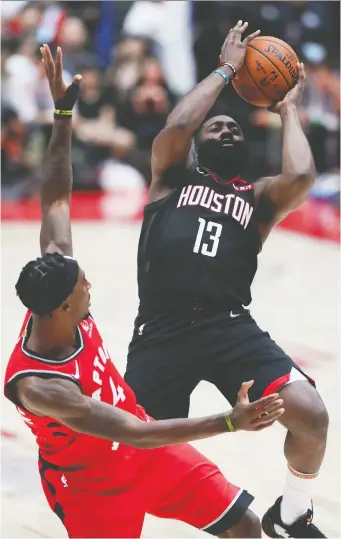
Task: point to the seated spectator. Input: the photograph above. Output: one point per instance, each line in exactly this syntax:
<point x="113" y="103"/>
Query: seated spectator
<point x="125" y="71"/>
<point x="96" y="133"/>
<point x="149" y="104"/>
<point x="16" y="168"/>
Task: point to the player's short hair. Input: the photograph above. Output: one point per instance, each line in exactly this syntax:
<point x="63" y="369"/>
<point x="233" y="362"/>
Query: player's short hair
<point x="46" y="282"/>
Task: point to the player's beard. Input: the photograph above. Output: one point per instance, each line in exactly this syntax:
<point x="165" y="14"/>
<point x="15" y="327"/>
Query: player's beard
<point x="227" y="162"/>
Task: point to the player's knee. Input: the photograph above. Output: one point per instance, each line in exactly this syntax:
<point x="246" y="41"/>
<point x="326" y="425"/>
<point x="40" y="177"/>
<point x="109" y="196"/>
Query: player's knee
<point x="252" y="524"/>
<point x="248" y="526"/>
<point x="320" y="417"/>
<point x="306" y="413"/>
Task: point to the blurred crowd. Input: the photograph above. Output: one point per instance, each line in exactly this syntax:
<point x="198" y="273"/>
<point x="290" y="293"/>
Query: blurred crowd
<point x="137" y="60"/>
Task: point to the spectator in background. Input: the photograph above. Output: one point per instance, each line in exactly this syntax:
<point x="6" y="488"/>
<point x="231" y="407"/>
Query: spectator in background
<point x="17" y="169"/>
<point x="168" y="23"/>
<point x="149" y="104"/>
<point x="97" y="136"/>
<point x="144" y="111"/>
<point x="22" y="80"/>
<point x="125" y="71"/>
<point x="74" y="40"/>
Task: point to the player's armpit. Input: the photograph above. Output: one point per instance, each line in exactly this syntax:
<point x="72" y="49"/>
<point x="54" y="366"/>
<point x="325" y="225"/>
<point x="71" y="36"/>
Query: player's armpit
<point x="288" y="192"/>
<point x="278" y="196"/>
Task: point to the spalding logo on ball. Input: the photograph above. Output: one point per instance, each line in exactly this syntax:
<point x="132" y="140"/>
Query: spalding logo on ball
<point x="268" y="73"/>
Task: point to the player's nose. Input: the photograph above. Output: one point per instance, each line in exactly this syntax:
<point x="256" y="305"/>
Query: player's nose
<point x="226" y="134"/>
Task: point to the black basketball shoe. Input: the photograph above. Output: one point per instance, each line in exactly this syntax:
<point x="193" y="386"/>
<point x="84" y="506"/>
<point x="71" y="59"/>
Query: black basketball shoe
<point x="273" y="526"/>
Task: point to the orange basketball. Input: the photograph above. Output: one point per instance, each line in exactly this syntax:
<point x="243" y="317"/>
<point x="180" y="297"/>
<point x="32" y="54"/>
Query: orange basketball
<point x="268" y="73"/>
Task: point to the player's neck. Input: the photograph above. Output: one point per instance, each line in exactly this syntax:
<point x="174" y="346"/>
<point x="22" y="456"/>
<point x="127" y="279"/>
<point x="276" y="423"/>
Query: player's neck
<point x="220" y="176"/>
<point x="48" y="338"/>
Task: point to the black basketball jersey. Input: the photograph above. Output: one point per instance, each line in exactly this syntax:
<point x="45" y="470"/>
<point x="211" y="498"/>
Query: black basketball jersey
<point x="198" y="246"/>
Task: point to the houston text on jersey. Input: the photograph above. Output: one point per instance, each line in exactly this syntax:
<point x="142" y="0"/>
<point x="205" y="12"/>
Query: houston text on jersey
<point x="230" y="204"/>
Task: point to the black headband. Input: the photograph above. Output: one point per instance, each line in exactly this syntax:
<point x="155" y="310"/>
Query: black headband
<point x="66" y="285"/>
<point x="72" y="274"/>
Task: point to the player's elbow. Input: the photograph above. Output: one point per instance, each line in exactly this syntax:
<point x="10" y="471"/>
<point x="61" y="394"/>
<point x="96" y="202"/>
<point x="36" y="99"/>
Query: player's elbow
<point x="305" y="171"/>
<point x="300" y="179"/>
<point x="305" y="176"/>
<point x="176" y="125"/>
<point x="79" y="417"/>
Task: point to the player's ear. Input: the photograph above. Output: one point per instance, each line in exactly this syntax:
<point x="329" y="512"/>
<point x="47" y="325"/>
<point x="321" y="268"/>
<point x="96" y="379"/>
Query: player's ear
<point x="65" y="306"/>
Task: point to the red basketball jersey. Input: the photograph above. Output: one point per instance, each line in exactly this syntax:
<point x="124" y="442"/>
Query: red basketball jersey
<point x="90" y="367"/>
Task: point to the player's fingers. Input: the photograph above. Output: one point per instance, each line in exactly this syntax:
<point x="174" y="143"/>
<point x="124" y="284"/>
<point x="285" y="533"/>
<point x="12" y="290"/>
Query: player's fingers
<point x="301" y="73"/>
<point x="261" y="427"/>
<point x="269" y="418"/>
<point x="43" y="58"/>
<point x="267" y="409"/>
<point x="48" y="61"/>
<point x="238" y="26"/>
<point x="243" y="27"/>
<point x="77" y="79"/>
<point x="260" y="403"/>
<point x="251" y="37"/>
<point x="235" y="31"/>
<point x="266" y="424"/>
<point x="59" y="64"/>
<point x="243" y="392"/>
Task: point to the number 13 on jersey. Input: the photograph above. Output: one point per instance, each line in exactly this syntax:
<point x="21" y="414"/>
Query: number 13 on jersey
<point x="211" y="248"/>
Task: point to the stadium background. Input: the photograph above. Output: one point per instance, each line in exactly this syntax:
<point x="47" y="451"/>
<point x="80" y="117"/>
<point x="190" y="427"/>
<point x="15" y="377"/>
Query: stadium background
<point x="137" y="60"/>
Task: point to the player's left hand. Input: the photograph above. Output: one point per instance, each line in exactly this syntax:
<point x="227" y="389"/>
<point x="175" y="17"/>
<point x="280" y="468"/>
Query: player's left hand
<point x="257" y="415"/>
<point x="54" y="72"/>
<point x="294" y="96"/>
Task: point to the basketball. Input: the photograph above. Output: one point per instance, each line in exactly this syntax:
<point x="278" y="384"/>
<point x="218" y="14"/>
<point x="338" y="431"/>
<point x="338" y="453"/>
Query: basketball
<point x="268" y="73"/>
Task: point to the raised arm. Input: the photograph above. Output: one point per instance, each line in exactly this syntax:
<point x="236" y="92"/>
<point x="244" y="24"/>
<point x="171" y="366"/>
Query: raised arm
<point x="63" y="401"/>
<point x="55" y="234"/>
<point x="172" y="145"/>
<point x="284" y="193"/>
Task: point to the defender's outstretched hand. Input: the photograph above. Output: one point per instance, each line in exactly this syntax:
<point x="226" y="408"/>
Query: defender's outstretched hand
<point x="257" y="415"/>
<point x="64" y="96"/>
<point x="294" y="96"/>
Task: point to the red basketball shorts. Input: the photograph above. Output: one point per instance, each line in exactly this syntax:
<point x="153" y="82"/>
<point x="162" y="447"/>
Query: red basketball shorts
<point x="175" y="482"/>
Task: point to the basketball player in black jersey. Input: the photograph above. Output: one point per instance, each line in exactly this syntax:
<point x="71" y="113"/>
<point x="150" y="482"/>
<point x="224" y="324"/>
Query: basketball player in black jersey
<point x="203" y="229"/>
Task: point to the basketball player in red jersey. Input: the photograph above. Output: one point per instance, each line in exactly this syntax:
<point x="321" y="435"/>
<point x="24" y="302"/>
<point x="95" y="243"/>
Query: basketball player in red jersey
<point x="103" y="462"/>
<point x="192" y="324"/>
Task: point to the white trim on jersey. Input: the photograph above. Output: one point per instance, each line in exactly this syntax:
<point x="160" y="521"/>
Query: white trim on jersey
<point x="53" y="361"/>
<point x="224" y="512"/>
<point x="34" y="372"/>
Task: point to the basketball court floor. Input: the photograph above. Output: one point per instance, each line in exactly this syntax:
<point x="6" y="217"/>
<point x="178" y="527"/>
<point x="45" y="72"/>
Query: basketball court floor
<point x="295" y="298"/>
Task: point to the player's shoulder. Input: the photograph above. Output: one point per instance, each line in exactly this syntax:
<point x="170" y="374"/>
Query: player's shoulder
<point x="16" y="354"/>
<point x="163" y="189"/>
<point x="25" y="362"/>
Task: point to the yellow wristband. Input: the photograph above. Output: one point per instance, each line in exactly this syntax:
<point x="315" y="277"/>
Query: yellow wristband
<point x="229" y="423"/>
<point x="63" y="112"/>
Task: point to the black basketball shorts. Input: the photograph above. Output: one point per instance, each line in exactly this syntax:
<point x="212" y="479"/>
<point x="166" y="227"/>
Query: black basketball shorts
<point x="168" y="357"/>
